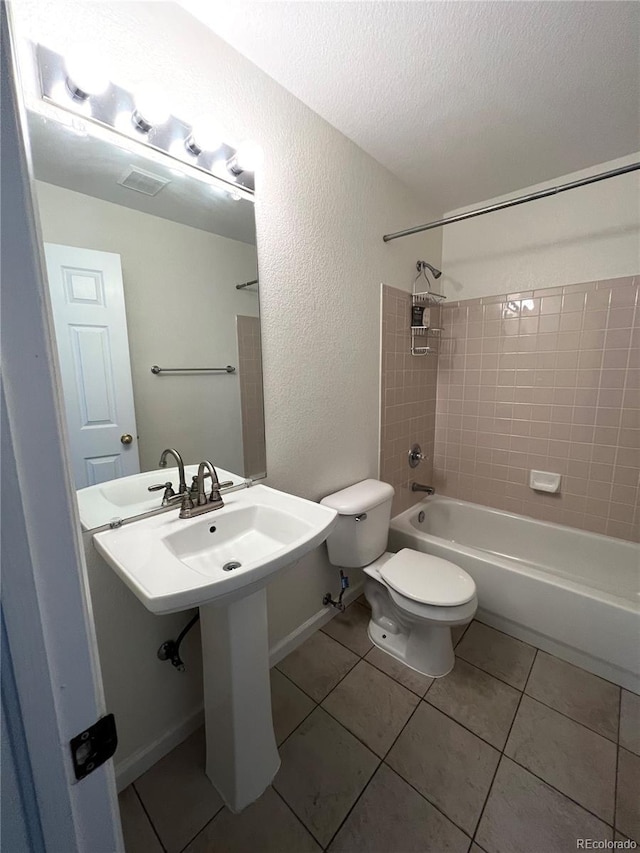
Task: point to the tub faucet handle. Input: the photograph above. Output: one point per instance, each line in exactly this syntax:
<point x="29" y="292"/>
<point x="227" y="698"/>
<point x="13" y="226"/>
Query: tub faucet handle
<point x="415" y="456"/>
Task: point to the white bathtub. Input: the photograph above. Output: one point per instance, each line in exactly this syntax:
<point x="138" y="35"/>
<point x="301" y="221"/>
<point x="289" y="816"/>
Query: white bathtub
<point x="572" y="593"/>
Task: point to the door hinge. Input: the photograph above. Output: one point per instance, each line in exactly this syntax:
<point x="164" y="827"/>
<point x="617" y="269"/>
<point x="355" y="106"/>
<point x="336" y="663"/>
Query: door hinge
<point x="94" y="746"/>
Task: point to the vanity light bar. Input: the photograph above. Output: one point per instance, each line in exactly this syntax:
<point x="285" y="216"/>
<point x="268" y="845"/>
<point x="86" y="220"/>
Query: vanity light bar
<point x="141" y="118"/>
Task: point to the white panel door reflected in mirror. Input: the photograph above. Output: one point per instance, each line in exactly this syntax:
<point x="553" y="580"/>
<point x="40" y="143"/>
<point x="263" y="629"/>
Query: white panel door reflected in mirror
<point x="87" y="298"/>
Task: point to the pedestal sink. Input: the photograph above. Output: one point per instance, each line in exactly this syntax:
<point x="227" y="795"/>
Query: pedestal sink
<point x="221" y="562"/>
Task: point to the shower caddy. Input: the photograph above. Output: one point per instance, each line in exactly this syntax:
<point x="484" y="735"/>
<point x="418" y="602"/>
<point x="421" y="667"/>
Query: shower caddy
<point x="425" y="299"/>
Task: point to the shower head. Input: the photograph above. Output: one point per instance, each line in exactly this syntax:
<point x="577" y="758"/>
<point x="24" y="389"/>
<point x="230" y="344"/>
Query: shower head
<point x="422" y="265"/>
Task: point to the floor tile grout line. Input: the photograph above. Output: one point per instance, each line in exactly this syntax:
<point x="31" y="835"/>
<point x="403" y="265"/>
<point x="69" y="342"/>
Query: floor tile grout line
<point x="486" y="672"/>
<point x="359" y="739"/>
<point x="544" y="651"/>
<point x="568" y="717"/>
<point x="344" y="646"/>
<point x="540" y="778"/>
<point x="397" y="680"/>
<point x="477" y="666"/>
<point x="300" y="821"/>
<point x="306" y="717"/>
<point x="541" y="701"/>
<point x="562" y="793"/>
<point x="380" y="763"/>
<point x="337" y="616"/>
<point x="504" y="746"/>
<point x="202" y="829"/>
<point x="385" y="762"/>
<point x="466" y="628"/>
<point x="330" y="691"/>
<point x="301" y="689"/>
<point x="466" y="728"/>
<point x="425" y="797"/>
<point x="355" y="803"/>
<point x="569" y="663"/>
<point x="319" y="705"/>
<point x="144" y="809"/>
<point x="606" y="681"/>
<point x="615" y="782"/>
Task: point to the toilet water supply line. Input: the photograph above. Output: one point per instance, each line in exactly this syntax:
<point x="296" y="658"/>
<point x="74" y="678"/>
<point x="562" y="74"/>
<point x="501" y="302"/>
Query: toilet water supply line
<point x="344" y="584"/>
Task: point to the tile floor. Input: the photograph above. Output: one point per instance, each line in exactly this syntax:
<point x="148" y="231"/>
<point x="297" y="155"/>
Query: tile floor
<point x="515" y="751"/>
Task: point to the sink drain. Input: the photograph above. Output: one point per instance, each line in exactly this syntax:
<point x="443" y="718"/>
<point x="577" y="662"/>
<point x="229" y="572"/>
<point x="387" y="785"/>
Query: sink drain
<point x="231" y="565"/>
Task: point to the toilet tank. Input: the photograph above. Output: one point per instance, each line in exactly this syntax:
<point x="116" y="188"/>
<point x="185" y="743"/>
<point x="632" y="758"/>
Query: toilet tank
<point x="362" y="531"/>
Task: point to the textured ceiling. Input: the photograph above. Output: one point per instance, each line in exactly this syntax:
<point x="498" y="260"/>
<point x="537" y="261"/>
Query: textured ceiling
<point x="463" y="101"/>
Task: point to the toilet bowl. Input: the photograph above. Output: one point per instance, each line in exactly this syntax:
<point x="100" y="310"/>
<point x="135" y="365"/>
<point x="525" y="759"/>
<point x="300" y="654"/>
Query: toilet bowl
<point x="415" y="598"/>
<point x="416" y="632"/>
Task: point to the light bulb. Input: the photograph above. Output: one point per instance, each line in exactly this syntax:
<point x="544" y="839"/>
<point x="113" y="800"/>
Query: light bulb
<point x="150" y="108"/>
<point x="247" y="158"/>
<point x="204" y="136"/>
<point x="86" y="75"/>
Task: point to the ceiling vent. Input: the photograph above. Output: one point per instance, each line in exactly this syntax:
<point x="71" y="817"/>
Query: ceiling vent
<point x="142" y="181"/>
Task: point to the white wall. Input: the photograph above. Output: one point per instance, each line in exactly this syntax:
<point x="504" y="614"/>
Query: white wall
<point x="151" y="700"/>
<point x="322" y="208"/>
<point x="586" y="234"/>
<point x="181" y="306"/>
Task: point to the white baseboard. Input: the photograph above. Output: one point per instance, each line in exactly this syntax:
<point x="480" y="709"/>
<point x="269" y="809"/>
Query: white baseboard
<point x="128" y="770"/>
<point x="287" y="644"/>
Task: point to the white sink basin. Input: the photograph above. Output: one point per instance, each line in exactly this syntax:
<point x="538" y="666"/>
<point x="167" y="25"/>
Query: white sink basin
<point x="126" y="497"/>
<point x="173" y="564"/>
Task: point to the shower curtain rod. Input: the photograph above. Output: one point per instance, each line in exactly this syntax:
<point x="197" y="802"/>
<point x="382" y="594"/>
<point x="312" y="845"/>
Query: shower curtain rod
<point x="501" y="205"/>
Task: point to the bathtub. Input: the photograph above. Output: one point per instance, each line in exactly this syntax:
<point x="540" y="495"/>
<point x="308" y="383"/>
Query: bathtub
<point x="571" y="593"/>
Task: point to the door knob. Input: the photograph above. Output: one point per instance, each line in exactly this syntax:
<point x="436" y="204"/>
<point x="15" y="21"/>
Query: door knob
<point x="126" y="438"/>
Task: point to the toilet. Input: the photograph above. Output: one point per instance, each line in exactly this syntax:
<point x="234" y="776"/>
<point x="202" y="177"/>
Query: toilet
<point x="415" y="598"/>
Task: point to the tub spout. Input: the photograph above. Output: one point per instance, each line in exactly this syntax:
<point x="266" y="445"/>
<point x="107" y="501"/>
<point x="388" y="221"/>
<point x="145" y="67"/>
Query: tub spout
<point x="418" y="487"/>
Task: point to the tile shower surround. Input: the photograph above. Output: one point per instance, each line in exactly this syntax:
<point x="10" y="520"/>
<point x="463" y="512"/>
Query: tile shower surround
<point x="547" y="379"/>
<point x="408" y="400"/>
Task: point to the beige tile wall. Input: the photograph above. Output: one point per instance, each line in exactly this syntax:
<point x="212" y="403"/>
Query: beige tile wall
<point x="251" y="395"/>
<point x="408" y="410"/>
<point x="549" y="380"/>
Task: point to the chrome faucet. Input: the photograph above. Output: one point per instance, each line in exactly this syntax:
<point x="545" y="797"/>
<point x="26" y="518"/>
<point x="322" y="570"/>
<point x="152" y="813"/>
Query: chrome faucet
<point x="418" y="487"/>
<point x="163" y="464"/>
<point x="203" y="503"/>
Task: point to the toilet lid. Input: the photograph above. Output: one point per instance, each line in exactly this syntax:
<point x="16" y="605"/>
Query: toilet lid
<point x="428" y="579"/>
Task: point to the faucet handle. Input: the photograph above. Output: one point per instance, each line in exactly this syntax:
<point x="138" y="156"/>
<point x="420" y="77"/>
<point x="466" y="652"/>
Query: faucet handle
<point x="194" y="483"/>
<point x="158" y="486"/>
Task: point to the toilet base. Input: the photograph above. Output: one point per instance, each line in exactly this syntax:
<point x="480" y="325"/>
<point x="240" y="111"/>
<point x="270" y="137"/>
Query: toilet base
<point x="427" y="649"/>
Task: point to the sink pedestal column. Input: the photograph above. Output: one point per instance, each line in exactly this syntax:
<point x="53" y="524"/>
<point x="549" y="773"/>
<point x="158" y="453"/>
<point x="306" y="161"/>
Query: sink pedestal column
<point x="242" y="757"/>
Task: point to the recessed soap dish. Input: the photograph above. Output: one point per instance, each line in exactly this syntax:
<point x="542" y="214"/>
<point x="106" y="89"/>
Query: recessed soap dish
<point x="544" y="481"/>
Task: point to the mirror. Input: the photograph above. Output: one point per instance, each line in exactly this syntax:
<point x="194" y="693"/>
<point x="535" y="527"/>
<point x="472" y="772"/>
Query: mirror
<point x="158" y="344"/>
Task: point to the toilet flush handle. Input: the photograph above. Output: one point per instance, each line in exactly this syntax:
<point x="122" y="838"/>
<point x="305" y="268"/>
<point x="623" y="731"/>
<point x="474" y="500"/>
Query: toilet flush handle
<point x="361" y="517"/>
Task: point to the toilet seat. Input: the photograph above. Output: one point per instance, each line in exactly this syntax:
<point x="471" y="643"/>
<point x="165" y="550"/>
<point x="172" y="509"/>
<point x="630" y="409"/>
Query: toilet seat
<point x="426" y="579"/>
